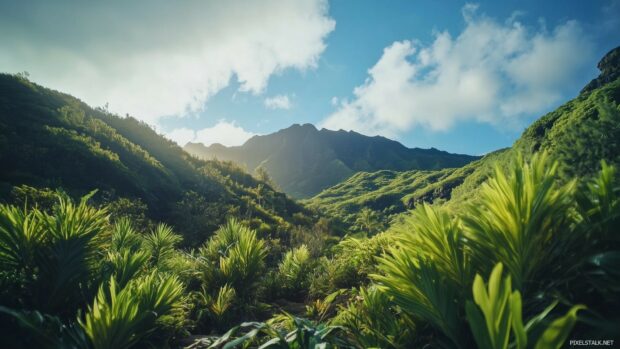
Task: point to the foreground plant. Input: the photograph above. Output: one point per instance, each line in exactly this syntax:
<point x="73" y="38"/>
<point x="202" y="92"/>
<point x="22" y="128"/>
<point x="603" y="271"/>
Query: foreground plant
<point x="53" y="256"/>
<point x="120" y="318"/>
<point x="523" y="218"/>
<point x="496" y="317"/>
<point x="376" y="322"/>
<point x="425" y="273"/>
<point x="291" y="333"/>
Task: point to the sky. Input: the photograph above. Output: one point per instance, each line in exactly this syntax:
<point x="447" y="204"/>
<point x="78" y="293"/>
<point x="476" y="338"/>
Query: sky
<point x="465" y="77"/>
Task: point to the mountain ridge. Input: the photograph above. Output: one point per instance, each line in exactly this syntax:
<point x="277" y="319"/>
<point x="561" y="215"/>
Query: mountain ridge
<point x="49" y="139"/>
<point x="318" y="159"/>
<point x="579" y="134"/>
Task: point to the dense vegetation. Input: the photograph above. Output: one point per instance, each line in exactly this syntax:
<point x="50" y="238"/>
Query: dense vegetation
<point x="72" y="278"/>
<point x="519" y="249"/>
<point x="49" y="139"/>
<point x="580" y="133"/>
<point x="303" y="160"/>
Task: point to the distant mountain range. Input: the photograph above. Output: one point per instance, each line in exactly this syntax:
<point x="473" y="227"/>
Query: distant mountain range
<point x="302" y="160"/>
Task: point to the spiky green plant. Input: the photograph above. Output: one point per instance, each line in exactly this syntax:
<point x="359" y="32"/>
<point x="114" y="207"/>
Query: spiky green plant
<point x="430" y="233"/>
<point x="293" y="270"/>
<point x="599" y="206"/>
<point x="122" y="317"/>
<point x="234" y="256"/>
<point x="124" y="236"/>
<point x="161" y="243"/>
<point x="368" y="221"/>
<point x="223" y="301"/>
<point x="496" y="317"/>
<point x="321" y="309"/>
<point x="225" y="237"/>
<point x="425" y="273"/>
<point x="76" y="235"/>
<point x="594" y="276"/>
<point x="21" y="235"/>
<point x="420" y="289"/>
<point x="521" y="219"/>
<point x="376" y="322"/>
<point x="244" y="261"/>
<point x="127" y="264"/>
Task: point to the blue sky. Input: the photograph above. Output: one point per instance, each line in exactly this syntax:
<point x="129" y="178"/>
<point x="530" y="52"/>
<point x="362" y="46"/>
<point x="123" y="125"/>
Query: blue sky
<point x="463" y="77"/>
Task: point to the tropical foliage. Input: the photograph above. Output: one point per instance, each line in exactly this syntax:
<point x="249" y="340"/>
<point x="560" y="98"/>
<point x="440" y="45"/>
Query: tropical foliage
<point x="519" y="249"/>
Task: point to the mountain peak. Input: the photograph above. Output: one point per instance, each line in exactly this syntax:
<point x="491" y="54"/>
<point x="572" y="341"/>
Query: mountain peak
<point x="609" y="66"/>
<point x="303" y="161"/>
<point x="306" y="126"/>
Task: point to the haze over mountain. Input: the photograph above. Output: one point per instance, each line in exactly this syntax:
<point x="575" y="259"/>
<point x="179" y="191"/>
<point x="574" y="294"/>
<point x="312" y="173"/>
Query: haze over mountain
<point x="303" y="160"/>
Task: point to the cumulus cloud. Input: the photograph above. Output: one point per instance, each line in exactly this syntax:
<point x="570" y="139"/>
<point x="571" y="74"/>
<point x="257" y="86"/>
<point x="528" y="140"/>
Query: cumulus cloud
<point x="223" y="132"/>
<point x="496" y="72"/>
<point x="278" y="102"/>
<point x="154" y="58"/>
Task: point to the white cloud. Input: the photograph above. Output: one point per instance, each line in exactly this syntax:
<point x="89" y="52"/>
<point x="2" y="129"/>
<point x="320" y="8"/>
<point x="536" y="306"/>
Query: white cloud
<point x="491" y="72"/>
<point x="226" y="133"/>
<point x="181" y="136"/>
<point x="278" y="102"/>
<point x="160" y="58"/>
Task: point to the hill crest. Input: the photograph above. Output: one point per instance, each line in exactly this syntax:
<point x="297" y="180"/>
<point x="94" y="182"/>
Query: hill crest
<point x="304" y="160"/>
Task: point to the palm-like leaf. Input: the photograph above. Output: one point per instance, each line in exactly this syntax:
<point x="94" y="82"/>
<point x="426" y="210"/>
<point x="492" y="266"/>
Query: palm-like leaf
<point x="238" y="255"/>
<point x="120" y="318"/>
<point x="47" y="331"/>
<point x="376" y="322"/>
<point x="432" y="234"/>
<point x="75" y="233"/>
<point x="419" y="288"/>
<point x="161" y="243"/>
<point x="124" y="237"/>
<point x="497" y="313"/>
<point x="428" y="271"/>
<point x="21" y="235"/>
<point x="223" y="301"/>
<point x="521" y="218"/>
<point x="127" y="264"/>
<point x="294" y="269"/>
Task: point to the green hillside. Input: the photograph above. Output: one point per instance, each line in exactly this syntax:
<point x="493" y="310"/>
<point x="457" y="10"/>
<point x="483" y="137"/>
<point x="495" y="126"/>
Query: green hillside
<point x="303" y="160"/>
<point x="52" y="140"/>
<point x="580" y="134"/>
<point x="524" y="239"/>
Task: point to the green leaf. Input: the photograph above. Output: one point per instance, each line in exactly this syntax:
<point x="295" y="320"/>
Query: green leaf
<point x="557" y="333"/>
<point x="517" y="320"/>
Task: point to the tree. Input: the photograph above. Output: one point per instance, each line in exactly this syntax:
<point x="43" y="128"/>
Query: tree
<point x="263" y="175"/>
<point x="368" y="221"/>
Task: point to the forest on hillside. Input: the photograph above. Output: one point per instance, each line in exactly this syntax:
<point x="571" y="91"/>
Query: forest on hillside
<point x="112" y="236"/>
<point x="531" y="259"/>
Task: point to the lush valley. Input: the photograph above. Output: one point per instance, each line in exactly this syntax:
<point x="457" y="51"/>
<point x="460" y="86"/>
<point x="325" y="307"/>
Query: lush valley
<point x="303" y="160"/>
<point x="517" y="249"/>
<point x="579" y="134"/>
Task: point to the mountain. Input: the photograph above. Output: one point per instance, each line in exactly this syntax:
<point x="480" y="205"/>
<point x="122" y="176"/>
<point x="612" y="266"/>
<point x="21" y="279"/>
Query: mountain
<point x="303" y="160"/>
<point x="579" y="134"/>
<point x="52" y="140"/>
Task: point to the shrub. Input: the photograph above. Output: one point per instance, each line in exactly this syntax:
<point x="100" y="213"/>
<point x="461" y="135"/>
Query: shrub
<point x="122" y="317"/>
<point x="522" y="219"/>
<point x="293" y="273"/>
